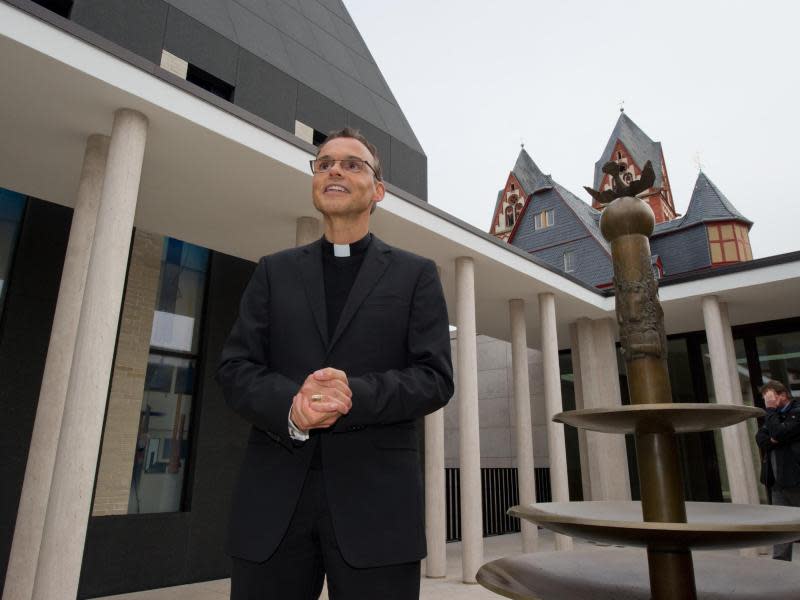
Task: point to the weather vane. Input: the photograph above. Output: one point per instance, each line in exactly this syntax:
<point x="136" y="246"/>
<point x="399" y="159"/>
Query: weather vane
<point x="622" y="106"/>
<point x="698" y="162"/>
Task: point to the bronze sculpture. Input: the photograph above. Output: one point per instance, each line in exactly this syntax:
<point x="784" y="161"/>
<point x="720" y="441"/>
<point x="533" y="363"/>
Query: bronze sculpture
<point x="669" y="527"/>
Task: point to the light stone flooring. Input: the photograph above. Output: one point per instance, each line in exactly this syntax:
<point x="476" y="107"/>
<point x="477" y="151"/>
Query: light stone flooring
<point x="448" y="588"/>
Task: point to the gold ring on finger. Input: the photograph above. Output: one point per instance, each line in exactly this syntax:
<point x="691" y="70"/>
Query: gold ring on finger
<point x="316" y="397"/>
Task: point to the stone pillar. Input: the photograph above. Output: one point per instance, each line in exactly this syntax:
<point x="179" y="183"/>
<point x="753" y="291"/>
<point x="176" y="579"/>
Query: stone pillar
<point x="67" y="517"/>
<point x="435" y="509"/>
<point x="750" y="454"/>
<point x="113" y="490"/>
<point x="50" y="409"/>
<point x="523" y="423"/>
<point x="586" y="482"/>
<point x="469" y="433"/>
<point x="559" y="484"/>
<point x="606" y="454"/>
<point x="307" y="231"/>
<point x="724" y="387"/>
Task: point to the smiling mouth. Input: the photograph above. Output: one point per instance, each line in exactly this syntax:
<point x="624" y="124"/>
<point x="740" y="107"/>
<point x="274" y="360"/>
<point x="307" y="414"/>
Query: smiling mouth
<point x="336" y="188"/>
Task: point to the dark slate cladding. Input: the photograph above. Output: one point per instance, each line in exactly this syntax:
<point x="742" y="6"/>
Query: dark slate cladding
<point x="409" y="169"/>
<point x="137" y="26"/>
<point x="638" y="143"/>
<point x="287" y="60"/>
<point x="683" y="250"/>
<point x="574" y="229"/>
<point x="200" y="45"/>
<point x="266" y="91"/>
<point x="317" y="111"/>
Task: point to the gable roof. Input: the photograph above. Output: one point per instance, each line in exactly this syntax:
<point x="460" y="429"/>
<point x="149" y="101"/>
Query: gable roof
<point x="638" y="143"/>
<point x="589" y="216"/>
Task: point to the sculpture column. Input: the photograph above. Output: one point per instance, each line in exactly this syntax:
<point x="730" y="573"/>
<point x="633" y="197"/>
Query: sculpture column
<point x="556" y="446"/>
<point x="469" y="452"/>
<point x="68" y="509"/>
<point x="523" y="425"/>
<point x="307" y="231"/>
<point x="50" y="408"/>
<point x="607" y="458"/>
<point x="724" y="393"/>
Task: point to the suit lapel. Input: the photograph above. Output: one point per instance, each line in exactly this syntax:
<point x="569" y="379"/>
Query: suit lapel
<point x="375" y="262"/>
<point x="310" y="267"/>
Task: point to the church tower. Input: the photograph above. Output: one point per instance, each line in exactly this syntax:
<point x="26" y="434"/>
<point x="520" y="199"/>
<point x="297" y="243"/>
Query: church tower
<point x="630" y="147"/>
<point x="523" y="180"/>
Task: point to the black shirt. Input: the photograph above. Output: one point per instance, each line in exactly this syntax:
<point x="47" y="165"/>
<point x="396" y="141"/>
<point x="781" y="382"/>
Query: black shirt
<point x="339" y="273"/>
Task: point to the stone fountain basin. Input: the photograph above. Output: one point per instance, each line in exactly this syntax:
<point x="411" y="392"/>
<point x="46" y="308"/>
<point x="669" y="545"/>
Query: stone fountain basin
<point x="657" y="418"/>
<point x="711" y="525"/>
<point x="621" y="574"/>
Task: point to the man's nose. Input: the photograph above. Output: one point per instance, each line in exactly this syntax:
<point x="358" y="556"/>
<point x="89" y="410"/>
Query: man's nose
<point x="336" y="168"/>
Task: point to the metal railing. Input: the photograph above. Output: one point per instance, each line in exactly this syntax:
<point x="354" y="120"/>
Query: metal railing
<point x="499" y="492"/>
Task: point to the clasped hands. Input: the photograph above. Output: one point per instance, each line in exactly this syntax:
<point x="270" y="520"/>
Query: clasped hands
<point x="324" y="397"/>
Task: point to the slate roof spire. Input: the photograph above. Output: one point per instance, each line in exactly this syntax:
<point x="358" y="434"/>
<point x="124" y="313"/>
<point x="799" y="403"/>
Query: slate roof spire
<point x="708" y="203"/>
<point x="529" y="175"/>
<point x="638" y="143"/>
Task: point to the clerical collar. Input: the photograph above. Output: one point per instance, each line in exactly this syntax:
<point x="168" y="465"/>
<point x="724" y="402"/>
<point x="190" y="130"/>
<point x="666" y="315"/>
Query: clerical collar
<point x="345" y="250"/>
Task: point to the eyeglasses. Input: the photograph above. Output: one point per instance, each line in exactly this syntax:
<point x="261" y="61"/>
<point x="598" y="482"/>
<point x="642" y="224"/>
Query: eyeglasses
<point x="351" y="165"/>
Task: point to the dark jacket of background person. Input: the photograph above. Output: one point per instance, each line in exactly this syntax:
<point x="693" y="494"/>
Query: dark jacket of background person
<point x="784" y="427"/>
<point x="393" y="341"/>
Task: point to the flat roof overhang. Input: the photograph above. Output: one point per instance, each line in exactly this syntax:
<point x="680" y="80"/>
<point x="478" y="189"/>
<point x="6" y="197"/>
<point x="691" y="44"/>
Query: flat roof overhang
<point x="216" y="176"/>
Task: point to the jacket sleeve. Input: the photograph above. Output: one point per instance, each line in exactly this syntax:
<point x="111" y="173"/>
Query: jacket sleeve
<point x="762" y="439"/>
<point x="426" y="384"/>
<point x="786" y="430"/>
<point x="251" y="388"/>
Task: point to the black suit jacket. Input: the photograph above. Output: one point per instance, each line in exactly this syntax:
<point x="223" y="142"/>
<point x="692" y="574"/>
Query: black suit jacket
<point x="784" y="428"/>
<point x="393" y="341"/>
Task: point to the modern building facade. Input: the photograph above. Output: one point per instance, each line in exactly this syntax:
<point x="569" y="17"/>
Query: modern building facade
<point x="153" y="151"/>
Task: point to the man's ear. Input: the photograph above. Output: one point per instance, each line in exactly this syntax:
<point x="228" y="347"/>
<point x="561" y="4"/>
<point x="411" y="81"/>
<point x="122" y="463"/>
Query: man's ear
<point x="380" y="192"/>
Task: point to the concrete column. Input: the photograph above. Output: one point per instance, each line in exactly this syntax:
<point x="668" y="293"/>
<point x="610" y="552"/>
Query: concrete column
<point x="724" y="392"/>
<point x="307" y="231"/>
<point x="606" y="454"/>
<point x="523" y="424"/>
<point x="67" y="517"/>
<point x="469" y="451"/>
<point x="556" y="447"/>
<point x="50" y="409"/>
<point x="750" y="454"/>
<point x="586" y="482"/>
<point x="435" y="509"/>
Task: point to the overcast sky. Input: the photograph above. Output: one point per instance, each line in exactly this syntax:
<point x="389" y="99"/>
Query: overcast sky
<point x="716" y="78"/>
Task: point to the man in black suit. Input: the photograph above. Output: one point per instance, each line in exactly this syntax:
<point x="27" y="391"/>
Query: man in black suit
<point x="339" y="347"/>
<point x="779" y="441"/>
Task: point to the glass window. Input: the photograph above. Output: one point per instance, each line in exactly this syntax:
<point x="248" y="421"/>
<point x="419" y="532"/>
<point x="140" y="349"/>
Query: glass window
<point x="12" y="205"/>
<point x="569" y="261"/>
<point x="162" y="443"/>
<point x="546" y="218"/>
<point x="779" y="356"/>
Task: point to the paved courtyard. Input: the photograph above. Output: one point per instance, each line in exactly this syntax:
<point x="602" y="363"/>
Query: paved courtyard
<point x="449" y="588"/>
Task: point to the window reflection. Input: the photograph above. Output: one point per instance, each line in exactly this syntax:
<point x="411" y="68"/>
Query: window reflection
<point x="162" y="443"/>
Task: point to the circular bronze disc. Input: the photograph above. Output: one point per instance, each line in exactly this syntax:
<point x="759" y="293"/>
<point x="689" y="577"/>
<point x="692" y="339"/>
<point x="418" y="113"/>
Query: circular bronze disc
<point x="711" y="525"/>
<point x="657" y="418"/>
<point x="621" y="574"/>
